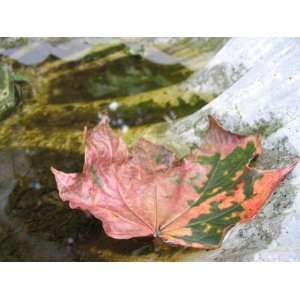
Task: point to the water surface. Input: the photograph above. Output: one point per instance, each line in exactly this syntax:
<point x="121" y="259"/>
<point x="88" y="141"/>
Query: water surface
<point x="55" y="98"/>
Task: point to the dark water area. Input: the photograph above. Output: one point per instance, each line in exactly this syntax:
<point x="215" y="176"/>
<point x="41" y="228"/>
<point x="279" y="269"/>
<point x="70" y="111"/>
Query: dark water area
<point x="44" y="107"/>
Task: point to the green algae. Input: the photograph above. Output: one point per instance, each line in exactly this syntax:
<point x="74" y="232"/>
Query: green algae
<point x="11" y="42"/>
<point x="149" y="112"/>
<point x="48" y="129"/>
<point x="8" y="99"/>
<point x="124" y="76"/>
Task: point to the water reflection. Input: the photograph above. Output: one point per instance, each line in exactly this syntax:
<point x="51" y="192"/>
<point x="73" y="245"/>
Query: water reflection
<point x="64" y="86"/>
<point x="125" y="76"/>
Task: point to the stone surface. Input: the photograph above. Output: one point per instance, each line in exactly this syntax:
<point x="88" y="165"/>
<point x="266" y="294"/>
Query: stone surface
<point x="233" y="61"/>
<point x="264" y="100"/>
<point x="261" y="95"/>
<point x="7" y="92"/>
<point x="37" y="50"/>
<point x="194" y="53"/>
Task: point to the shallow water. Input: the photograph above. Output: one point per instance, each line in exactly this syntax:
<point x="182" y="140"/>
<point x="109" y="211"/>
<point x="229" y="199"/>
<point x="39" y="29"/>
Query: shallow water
<point x="55" y="99"/>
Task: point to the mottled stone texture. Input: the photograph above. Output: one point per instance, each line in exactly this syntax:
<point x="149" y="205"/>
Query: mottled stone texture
<point x="265" y="99"/>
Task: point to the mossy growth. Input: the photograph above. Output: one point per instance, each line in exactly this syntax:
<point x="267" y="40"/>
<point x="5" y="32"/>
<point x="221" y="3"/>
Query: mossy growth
<point x="48" y="128"/>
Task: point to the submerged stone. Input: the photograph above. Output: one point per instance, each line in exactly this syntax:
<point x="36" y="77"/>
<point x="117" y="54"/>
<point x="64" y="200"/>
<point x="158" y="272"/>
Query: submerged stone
<point x="7" y="92"/>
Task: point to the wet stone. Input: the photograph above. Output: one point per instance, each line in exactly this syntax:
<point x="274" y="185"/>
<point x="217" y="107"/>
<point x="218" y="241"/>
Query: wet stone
<point x="47" y="130"/>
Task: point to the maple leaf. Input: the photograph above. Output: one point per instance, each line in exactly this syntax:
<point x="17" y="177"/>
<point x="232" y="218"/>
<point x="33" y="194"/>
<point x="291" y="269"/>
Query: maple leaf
<point x="191" y="202"/>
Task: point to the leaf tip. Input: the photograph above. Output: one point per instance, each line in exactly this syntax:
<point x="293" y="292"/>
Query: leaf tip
<point x="291" y="166"/>
<point x="53" y="170"/>
<point x="104" y="119"/>
<point x="212" y="122"/>
<point x="57" y="174"/>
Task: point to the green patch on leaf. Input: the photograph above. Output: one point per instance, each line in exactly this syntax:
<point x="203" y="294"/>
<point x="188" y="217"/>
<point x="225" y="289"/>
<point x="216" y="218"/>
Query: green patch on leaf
<point x="222" y="177"/>
<point x="208" y="228"/>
